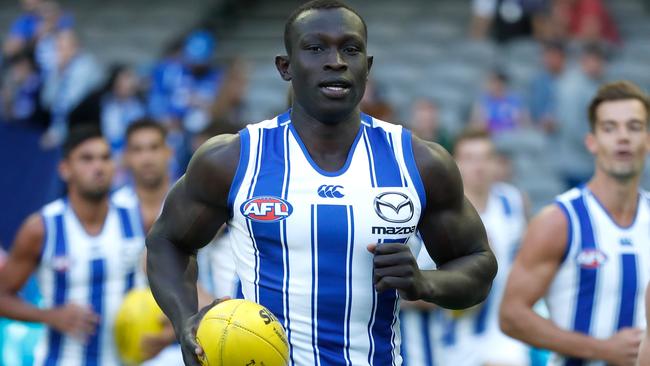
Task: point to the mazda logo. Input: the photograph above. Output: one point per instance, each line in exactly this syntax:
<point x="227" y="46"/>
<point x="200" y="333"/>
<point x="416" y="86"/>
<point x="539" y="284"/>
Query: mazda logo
<point x="394" y="207"/>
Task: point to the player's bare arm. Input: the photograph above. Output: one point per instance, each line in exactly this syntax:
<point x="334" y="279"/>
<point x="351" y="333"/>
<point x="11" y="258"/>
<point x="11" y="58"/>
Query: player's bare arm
<point x="193" y="212"/>
<point x="453" y="235"/>
<point x="644" y="351"/>
<point x="534" y="268"/>
<point x="22" y="262"/>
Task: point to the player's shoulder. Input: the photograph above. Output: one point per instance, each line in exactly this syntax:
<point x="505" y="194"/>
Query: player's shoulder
<point x="56" y="207"/>
<point x="438" y="171"/>
<point x="548" y="233"/>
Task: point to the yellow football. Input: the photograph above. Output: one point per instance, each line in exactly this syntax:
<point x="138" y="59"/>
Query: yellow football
<point x="241" y="332"/>
<point x="139" y="315"/>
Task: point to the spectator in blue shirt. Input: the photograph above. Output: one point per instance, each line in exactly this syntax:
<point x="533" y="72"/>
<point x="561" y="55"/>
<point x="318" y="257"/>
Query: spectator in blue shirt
<point x="35" y="28"/>
<point x="19" y="95"/>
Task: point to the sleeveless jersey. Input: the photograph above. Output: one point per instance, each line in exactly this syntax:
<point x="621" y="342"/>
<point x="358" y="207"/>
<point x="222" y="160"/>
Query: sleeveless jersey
<point x="300" y="233"/>
<point x="599" y="286"/>
<point x="93" y="271"/>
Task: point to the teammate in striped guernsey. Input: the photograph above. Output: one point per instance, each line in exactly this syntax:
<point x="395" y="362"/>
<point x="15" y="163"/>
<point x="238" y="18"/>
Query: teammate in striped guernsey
<point x="473" y="337"/>
<point x="85" y="251"/>
<point x="321" y="202"/>
<point x="587" y="254"/>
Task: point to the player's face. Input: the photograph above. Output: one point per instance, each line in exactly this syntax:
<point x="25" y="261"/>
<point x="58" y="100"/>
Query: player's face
<point x="476" y="161"/>
<point x="89" y="169"/>
<point x="147" y="156"/>
<point x="328" y="65"/>
<point x="620" y="140"/>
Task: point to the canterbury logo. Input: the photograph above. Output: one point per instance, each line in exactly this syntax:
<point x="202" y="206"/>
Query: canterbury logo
<point x="394" y="207"/>
<point x="330" y="191"/>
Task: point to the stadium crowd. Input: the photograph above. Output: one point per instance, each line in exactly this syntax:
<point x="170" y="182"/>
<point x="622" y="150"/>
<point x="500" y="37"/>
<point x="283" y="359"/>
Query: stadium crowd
<point x="50" y="84"/>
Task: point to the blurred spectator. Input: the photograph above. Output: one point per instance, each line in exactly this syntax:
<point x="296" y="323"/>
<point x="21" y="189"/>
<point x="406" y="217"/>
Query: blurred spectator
<point x="165" y="75"/>
<point x="20" y="93"/>
<point x="543" y="89"/>
<point x="425" y="123"/>
<point x="374" y="103"/>
<point x="229" y="104"/>
<point x="506" y="19"/>
<point x="35" y="28"/>
<point x="76" y="74"/>
<point x="584" y="20"/>
<point x="499" y="109"/>
<point x="575" y="89"/>
<point x="115" y="105"/>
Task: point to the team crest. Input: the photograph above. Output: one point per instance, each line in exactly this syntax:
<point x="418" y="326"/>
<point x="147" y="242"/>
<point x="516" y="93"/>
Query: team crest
<point x="591" y="258"/>
<point x="266" y="209"/>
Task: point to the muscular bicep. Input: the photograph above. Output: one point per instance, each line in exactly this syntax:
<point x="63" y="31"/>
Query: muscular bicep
<point x="24" y="256"/>
<point x="450" y="226"/>
<point x="538" y="259"/>
<point x="196" y="207"/>
<point x="452" y="233"/>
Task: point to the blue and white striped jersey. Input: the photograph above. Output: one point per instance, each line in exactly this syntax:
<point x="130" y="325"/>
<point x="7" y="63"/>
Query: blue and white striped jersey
<point x="300" y="234"/>
<point x="94" y="271"/>
<point x="599" y="287"/>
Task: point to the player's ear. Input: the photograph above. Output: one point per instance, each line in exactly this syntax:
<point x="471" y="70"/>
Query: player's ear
<point x="590" y="143"/>
<point x="370" y="60"/>
<point x="64" y="170"/>
<point x="282" y="64"/>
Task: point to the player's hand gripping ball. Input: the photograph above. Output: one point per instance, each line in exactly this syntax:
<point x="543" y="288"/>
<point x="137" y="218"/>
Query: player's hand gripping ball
<point x="138" y="316"/>
<point x="241" y="332"/>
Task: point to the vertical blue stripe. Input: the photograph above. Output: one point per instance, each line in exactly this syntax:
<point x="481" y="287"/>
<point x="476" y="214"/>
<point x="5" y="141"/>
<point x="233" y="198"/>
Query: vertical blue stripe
<point x="125" y="220"/>
<point x="254" y="176"/>
<point x="371" y="164"/>
<point x="405" y="340"/>
<point x="244" y="153"/>
<point x="349" y="259"/>
<point x="97" y="278"/>
<point x="569" y="234"/>
<point x="371" y="324"/>
<point x="425" y="320"/>
<point x="285" y="244"/>
<point x="587" y="277"/>
<point x="314" y="264"/>
<point x="628" y="291"/>
<point x="411" y="166"/>
<point x="268" y="235"/>
<point x="331" y="230"/>
<point x="449" y="327"/>
<point x="386" y="167"/>
<point x="384" y="320"/>
<point x="128" y="233"/>
<point x="55" y="338"/>
<point x="481" y="318"/>
<point x="506" y="205"/>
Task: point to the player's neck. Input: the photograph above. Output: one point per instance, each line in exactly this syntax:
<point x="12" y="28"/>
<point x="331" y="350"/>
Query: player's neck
<point x="478" y="198"/>
<point x="620" y="198"/>
<point x="90" y="213"/>
<point x="328" y="144"/>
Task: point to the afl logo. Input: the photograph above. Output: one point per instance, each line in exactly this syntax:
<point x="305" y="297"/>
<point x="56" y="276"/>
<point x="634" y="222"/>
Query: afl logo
<point x="591" y="258"/>
<point x="266" y="209"/>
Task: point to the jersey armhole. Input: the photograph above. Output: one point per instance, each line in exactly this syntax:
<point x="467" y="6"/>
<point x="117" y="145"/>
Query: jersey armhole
<point x="565" y="211"/>
<point x="46" y="238"/>
<point x="414" y="173"/>
<point x="244" y="153"/>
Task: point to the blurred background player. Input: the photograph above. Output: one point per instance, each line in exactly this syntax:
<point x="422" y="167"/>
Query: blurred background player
<point x="587" y="253"/>
<point x="85" y="251"/>
<point x="472" y="337"/>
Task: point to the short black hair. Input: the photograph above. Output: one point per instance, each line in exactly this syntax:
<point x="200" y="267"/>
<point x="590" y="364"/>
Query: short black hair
<point x="145" y="123"/>
<point x="315" y="5"/>
<point x="77" y="136"/>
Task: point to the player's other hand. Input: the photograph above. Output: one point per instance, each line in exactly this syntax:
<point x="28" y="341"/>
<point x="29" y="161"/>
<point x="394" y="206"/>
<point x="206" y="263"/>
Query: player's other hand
<point x="153" y="344"/>
<point x="396" y="268"/>
<point x="622" y="348"/>
<point x="74" y="320"/>
<point x="189" y="346"/>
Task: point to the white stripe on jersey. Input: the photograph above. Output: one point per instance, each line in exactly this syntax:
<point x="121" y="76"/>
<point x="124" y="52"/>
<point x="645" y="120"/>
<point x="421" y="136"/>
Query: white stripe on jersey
<point x="599" y="286"/>
<point x="301" y="236"/>
<point x="88" y="270"/>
